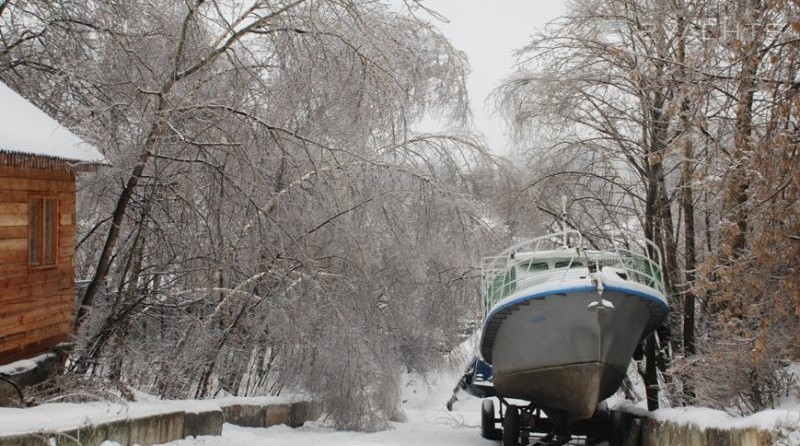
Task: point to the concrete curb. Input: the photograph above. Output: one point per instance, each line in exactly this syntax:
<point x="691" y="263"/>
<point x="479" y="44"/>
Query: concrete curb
<point x="165" y="427"/>
<point x="641" y="430"/>
<point x="667" y="433"/>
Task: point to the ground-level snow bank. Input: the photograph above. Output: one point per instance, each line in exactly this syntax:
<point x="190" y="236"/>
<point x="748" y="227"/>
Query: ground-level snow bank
<point x="675" y="426"/>
<point x="659" y="432"/>
<point x="422" y="432"/>
<point x="428" y="423"/>
<point x="708" y="418"/>
<point x="64" y="416"/>
<point x="698" y="426"/>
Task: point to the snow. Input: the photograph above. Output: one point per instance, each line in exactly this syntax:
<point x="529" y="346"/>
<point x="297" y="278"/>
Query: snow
<point x="784" y="418"/>
<point x="709" y="418"/>
<point x="429" y="423"/>
<point x="423" y="402"/>
<point x="24" y="365"/>
<point x="25" y="129"/>
<point x="257" y="400"/>
<point x="64" y="416"/>
<point x="195" y="406"/>
<point x="404" y="434"/>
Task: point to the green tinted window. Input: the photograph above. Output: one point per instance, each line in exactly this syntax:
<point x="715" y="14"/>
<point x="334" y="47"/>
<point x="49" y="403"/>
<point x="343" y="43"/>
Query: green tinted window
<point x="534" y="266"/>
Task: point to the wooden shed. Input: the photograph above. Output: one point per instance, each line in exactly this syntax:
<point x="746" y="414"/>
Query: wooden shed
<point x="39" y="160"/>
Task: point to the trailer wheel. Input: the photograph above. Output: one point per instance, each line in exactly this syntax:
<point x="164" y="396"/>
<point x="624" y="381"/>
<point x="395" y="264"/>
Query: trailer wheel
<point x="488" y="431"/>
<point x="511" y="426"/>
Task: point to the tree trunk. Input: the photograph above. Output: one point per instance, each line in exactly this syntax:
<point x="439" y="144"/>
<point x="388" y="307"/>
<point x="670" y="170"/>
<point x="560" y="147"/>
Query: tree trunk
<point x="687" y="202"/>
<point x="651" y="372"/>
<point x="735" y="197"/>
<point x="154" y="139"/>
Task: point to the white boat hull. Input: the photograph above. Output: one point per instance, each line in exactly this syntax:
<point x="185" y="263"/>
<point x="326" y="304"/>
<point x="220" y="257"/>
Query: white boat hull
<point x="547" y="346"/>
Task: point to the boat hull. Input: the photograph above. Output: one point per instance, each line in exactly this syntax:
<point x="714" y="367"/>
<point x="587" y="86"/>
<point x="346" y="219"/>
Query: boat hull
<point x="549" y="348"/>
<point x="586" y="383"/>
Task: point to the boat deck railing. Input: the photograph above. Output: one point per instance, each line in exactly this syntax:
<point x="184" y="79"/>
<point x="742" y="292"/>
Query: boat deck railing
<point x="562" y="257"/>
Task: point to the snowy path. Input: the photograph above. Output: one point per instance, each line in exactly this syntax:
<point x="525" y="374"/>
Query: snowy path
<point x="429" y="424"/>
<point x="406" y="434"/>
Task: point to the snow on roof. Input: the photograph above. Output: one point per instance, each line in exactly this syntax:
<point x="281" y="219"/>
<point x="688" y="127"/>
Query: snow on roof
<point x="27" y="130"/>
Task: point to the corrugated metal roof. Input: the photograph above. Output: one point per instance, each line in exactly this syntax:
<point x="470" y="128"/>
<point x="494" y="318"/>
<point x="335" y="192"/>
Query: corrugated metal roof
<point x="27" y="130"/>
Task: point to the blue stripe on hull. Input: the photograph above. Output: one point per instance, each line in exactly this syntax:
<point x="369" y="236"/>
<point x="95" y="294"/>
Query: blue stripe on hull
<point x="498" y="316"/>
<point x="580" y="289"/>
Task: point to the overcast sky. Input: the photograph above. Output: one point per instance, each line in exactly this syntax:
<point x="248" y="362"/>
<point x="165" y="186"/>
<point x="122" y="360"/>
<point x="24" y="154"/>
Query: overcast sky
<point x="489" y="32"/>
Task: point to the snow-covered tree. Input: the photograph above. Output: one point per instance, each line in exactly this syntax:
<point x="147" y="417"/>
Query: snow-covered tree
<point x="669" y="114"/>
<point x="269" y="220"/>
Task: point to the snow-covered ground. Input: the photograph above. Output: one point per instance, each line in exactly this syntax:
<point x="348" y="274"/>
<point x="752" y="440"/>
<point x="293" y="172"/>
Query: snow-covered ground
<point x="423" y="401"/>
<point x="57" y="416"/>
<point x="429" y="423"/>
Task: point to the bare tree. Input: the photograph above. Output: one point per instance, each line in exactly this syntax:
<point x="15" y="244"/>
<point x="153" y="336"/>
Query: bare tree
<point x="602" y="85"/>
<point x="660" y="102"/>
<point x="754" y="77"/>
<point x="270" y="221"/>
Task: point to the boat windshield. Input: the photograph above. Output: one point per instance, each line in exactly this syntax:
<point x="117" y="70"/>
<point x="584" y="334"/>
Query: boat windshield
<point x="568" y="264"/>
<point x="532" y="266"/>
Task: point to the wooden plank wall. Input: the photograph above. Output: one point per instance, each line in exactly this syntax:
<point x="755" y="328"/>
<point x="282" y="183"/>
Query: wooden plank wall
<point x="36" y="305"/>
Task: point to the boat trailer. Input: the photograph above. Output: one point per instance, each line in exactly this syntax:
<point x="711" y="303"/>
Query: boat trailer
<point x="523" y="425"/>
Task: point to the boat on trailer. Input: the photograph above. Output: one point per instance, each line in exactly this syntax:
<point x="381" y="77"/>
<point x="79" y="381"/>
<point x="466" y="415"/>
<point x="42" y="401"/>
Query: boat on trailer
<point x="562" y="321"/>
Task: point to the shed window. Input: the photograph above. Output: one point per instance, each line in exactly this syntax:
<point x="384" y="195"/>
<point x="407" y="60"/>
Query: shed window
<point x="43" y="246"/>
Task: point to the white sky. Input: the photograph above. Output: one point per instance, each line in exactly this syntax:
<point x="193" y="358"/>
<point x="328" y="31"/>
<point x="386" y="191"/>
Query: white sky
<point x="489" y="32"/>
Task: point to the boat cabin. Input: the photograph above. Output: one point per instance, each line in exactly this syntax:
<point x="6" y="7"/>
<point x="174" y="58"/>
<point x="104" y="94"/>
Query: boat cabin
<point x="536" y="261"/>
<point x="39" y="160"/>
